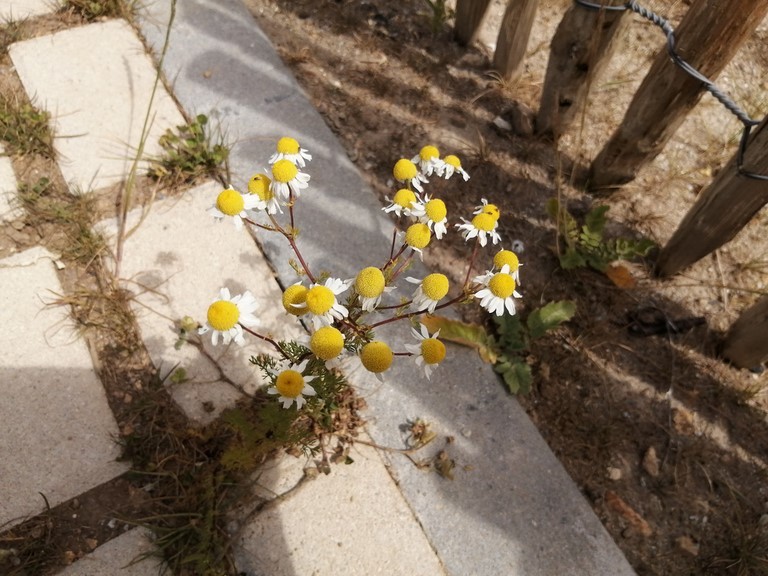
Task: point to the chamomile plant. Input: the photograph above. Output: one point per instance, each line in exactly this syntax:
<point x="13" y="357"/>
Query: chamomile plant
<point x="342" y="315"/>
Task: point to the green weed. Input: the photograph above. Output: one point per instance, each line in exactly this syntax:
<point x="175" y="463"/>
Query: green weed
<point x="24" y="128"/>
<point x="441" y="14"/>
<point x="92" y="10"/>
<point x="11" y="31"/>
<point x="585" y="244"/>
<point x="191" y="152"/>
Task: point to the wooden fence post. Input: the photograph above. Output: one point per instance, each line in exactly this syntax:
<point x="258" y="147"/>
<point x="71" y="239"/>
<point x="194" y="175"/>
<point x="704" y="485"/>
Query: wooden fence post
<point x="513" y="37"/>
<point x="746" y="344"/>
<point x="721" y="210"/>
<point x="469" y="15"/>
<point x="709" y="35"/>
<point x="581" y="47"/>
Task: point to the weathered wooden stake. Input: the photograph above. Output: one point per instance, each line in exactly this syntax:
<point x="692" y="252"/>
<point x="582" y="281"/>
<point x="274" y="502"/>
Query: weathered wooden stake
<point x="469" y="15"/>
<point x="582" y="45"/>
<point x="513" y="37"/>
<point x="721" y="210"/>
<point x="746" y="344"/>
<point x="707" y="38"/>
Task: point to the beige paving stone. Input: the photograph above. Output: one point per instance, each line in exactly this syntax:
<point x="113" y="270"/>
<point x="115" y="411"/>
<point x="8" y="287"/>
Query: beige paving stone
<point x="56" y="429"/>
<point x="96" y="82"/>
<point x="117" y="557"/>
<point x="351" y="522"/>
<point x="9" y="208"/>
<point x="15" y="10"/>
<point x="176" y="262"/>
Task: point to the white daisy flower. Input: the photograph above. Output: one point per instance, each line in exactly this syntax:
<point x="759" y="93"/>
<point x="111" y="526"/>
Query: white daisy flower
<point x="499" y="292"/>
<point x="402" y="203"/>
<point x="433" y="213"/>
<point x="487" y="208"/>
<point x="370" y="285"/>
<point x="482" y="226"/>
<point x="228" y="315"/>
<point x="232" y="204"/>
<point x="417" y="237"/>
<point x="508" y="258"/>
<point x="321" y="303"/>
<point x="405" y="171"/>
<point x="289" y="149"/>
<point x="327" y="343"/>
<point x="429" y="351"/>
<point x="428" y="160"/>
<point x="452" y="165"/>
<point x="260" y="186"/>
<point x="432" y="289"/>
<point x="292" y="385"/>
<point x="287" y="179"/>
<point x="376" y="357"/>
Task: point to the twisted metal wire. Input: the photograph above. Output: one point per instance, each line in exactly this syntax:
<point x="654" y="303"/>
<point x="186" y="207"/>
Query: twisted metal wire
<point x="709" y="86"/>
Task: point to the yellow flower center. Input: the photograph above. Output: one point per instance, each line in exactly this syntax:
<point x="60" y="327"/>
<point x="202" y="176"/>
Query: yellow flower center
<point x="287" y="145"/>
<point x="417" y="235"/>
<point x="320" y="299"/>
<point x="289" y="383"/>
<point x="435" y="286"/>
<point x="484" y="222"/>
<point x="326" y="343"/>
<point x="284" y="171"/>
<point x="491" y="210"/>
<point x="370" y="282"/>
<point x="259" y="185"/>
<point x="230" y="202"/>
<point x="432" y="350"/>
<point x="508" y="258"/>
<point x="502" y="285"/>
<point x="429" y="152"/>
<point x="223" y="315"/>
<point x="296" y="294"/>
<point x="404" y="198"/>
<point x="404" y="170"/>
<point x="376" y="356"/>
<point x="452" y="160"/>
<point x="436" y="210"/>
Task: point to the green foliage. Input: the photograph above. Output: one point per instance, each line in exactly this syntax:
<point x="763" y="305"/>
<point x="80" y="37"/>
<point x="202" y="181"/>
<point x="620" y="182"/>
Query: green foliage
<point x="179" y="376"/>
<point x="31" y="195"/>
<point x="255" y="434"/>
<point x="191" y="152"/>
<point x="514" y="339"/>
<point x="508" y="348"/>
<point x="441" y="13"/>
<point x="11" y="30"/>
<point x="25" y="129"/>
<point x="585" y="244"/>
<point x="549" y="317"/>
<point x="94" y="9"/>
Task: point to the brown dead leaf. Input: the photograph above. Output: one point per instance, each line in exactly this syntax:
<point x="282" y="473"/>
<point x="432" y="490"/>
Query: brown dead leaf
<point x="615" y="502"/>
<point x="620" y="276"/>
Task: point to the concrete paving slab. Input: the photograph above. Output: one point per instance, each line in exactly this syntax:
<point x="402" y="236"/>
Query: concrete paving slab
<point x="117" y="557"/>
<point x="176" y="262"/>
<point x="15" y="10"/>
<point x="351" y="522"/>
<point x="518" y="513"/>
<point x="96" y="81"/>
<point x="9" y="207"/>
<point x="278" y="475"/>
<point x="56" y="427"/>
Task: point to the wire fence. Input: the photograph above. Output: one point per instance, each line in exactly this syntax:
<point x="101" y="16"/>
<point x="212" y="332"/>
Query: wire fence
<point x="709" y="86"/>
